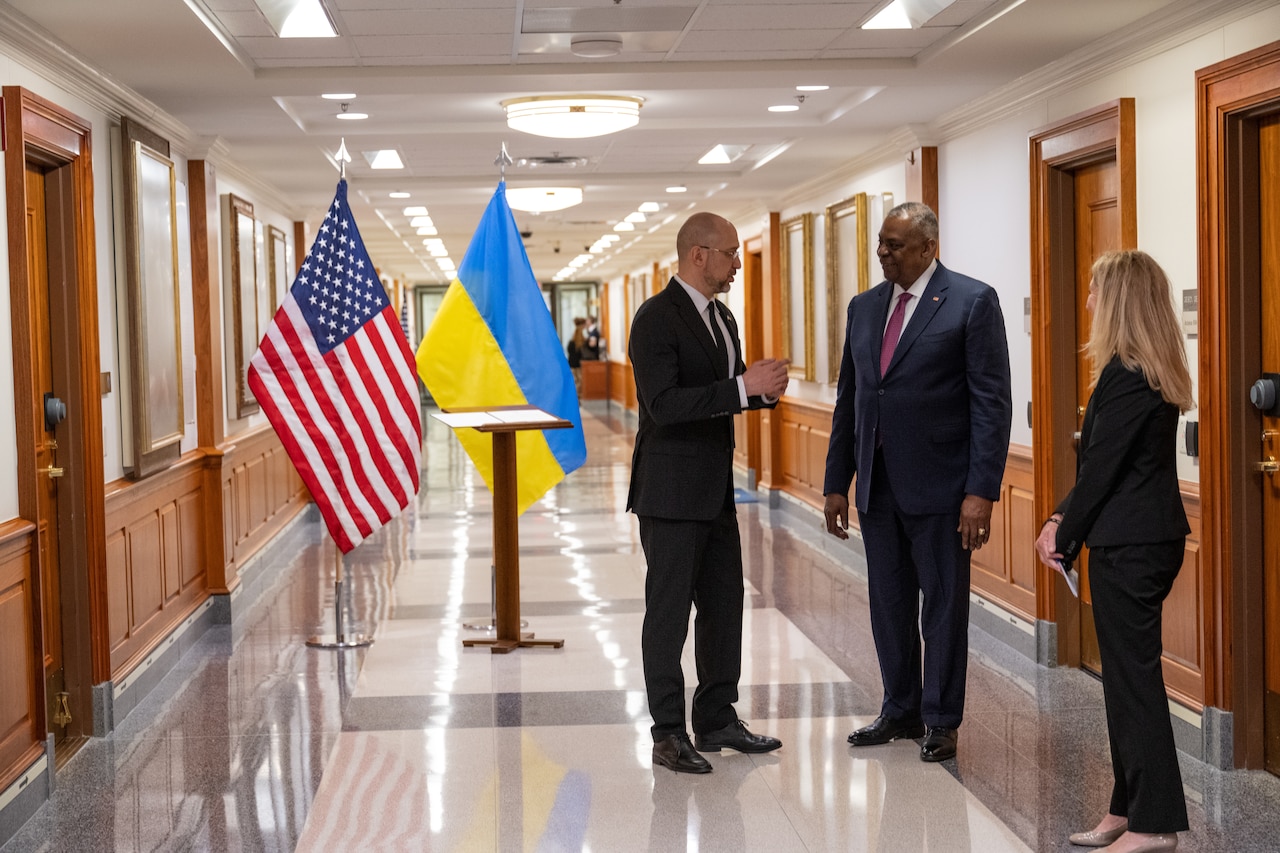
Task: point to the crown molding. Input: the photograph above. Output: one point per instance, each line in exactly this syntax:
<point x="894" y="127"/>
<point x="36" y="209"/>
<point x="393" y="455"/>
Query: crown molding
<point x="1141" y="40"/>
<point x="884" y="154"/>
<point x="39" y="51"/>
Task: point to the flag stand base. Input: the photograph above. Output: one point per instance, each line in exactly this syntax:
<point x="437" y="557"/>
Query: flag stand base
<point x="339" y="639"/>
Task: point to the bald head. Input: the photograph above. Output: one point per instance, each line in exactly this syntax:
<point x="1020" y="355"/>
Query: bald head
<point x="707" y="247"/>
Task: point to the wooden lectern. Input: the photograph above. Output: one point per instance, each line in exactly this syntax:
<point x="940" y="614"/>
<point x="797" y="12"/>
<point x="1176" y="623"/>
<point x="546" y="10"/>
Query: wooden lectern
<point x="504" y="422"/>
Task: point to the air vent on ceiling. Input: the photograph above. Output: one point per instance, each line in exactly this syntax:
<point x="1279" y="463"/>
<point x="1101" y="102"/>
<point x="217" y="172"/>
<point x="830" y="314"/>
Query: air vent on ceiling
<point x="555" y="159"/>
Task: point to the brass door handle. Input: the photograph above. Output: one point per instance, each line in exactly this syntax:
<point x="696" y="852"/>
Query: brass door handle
<point x="1268" y="466"/>
<point x="53" y="472"/>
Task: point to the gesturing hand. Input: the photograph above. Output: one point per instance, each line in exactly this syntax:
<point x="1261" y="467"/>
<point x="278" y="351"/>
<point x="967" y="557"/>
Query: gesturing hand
<point x="766" y="377"/>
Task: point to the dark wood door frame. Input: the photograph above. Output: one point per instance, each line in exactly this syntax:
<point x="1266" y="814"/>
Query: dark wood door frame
<point x="1230" y="96"/>
<point x="38" y="131"/>
<point x="1103" y="133"/>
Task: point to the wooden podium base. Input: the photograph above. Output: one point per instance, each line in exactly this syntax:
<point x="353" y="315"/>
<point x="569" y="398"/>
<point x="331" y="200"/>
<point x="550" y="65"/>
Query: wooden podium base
<point x="501" y="647"/>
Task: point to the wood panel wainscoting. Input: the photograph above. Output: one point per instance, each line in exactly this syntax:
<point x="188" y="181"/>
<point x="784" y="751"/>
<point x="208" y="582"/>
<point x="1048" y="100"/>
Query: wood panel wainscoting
<point x="21" y="660"/>
<point x="1004" y="570"/>
<point x="622" y="385"/>
<point x="159" y="565"/>
<point x="801" y="460"/>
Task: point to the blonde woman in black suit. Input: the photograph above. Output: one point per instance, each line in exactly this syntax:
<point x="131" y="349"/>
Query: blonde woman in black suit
<point x="1126" y="505"/>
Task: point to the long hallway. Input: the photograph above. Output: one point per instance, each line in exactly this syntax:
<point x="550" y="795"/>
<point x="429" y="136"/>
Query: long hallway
<point x="257" y="742"/>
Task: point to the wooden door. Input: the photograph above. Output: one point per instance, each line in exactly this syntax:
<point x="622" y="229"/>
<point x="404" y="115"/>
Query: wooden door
<point x="1269" y="230"/>
<point x="48" y="471"/>
<point x="1097" y="230"/>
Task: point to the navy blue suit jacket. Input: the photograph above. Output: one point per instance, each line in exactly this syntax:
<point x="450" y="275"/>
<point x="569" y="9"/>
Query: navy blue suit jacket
<point x="682" y="465"/>
<point x="943" y="408"/>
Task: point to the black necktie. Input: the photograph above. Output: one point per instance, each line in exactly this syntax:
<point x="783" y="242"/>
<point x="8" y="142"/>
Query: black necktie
<point x="721" y="349"/>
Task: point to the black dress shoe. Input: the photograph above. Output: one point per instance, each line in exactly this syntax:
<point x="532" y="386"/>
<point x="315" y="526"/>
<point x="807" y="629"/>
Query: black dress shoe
<point x="939" y="744"/>
<point x="885" y="729"/>
<point x="735" y="736"/>
<point x="676" y="752"/>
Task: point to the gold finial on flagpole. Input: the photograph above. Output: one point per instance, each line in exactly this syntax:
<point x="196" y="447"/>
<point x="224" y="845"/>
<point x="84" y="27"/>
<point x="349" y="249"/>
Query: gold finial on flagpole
<point x="343" y="158"/>
<point x="504" y="160"/>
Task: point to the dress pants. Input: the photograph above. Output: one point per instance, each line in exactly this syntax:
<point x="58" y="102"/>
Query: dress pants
<point x="908" y="555"/>
<point x="698" y="564"/>
<point x="1129" y="585"/>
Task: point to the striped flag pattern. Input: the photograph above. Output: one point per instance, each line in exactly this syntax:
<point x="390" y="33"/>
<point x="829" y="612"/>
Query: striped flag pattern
<point x="335" y="376"/>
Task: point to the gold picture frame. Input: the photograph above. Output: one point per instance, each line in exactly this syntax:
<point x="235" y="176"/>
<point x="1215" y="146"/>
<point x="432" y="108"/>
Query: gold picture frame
<point x="153" y="322"/>
<point x="244" y="299"/>
<point x="278" y="280"/>
<point x="796" y="268"/>
<point x="847" y="272"/>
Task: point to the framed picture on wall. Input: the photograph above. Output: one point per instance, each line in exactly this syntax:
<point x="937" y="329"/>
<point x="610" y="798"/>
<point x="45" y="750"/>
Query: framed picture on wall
<point x="153" y="324"/>
<point x="847" y="272"/>
<point x="244" y="300"/>
<point x="277" y="270"/>
<point x="796" y="269"/>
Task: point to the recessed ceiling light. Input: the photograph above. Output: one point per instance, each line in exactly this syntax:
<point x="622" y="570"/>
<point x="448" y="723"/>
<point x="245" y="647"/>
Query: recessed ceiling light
<point x="346" y="116"/>
<point x="415" y="210"/>
<point x="635" y="217"/>
<point x="427" y="230"/>
<point x="906" y="14"/>
<point x="624" y="225"/>
<point x="784" y="108"/>
<point x="678" y="189"/>
<point x="420" y="220"/>
<point x="339" y="96"/>
<point x="812" y="88"/>
<point x="649" y="207"/>
<point x="386" y="158"/>
<point x="297" y="18"/>
<point x="398" y="194"/>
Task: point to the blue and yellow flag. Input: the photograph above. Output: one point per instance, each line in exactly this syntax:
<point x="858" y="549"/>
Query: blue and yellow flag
<point x="492" y="343"/>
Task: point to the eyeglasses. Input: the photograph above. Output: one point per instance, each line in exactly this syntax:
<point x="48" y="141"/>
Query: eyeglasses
<point x="734" y="254"/>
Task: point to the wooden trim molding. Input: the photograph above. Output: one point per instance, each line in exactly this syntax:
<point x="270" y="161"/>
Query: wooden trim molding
<point x="1099" y="134"/>
<point x="1230" y="96"/>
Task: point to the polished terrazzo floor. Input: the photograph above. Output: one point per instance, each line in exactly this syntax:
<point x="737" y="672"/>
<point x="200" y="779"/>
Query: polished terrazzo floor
<point x="257" y="742"/>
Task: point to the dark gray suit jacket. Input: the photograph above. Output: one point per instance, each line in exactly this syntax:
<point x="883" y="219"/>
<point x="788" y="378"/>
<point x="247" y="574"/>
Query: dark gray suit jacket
<point x="942" y="410"/>
<point x="682" y="466"/>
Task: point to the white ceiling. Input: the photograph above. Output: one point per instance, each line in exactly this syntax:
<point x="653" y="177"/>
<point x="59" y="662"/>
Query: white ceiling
<point x="431" y="74"/>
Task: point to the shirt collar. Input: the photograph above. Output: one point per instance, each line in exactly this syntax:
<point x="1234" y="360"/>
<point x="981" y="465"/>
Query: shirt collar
<point x="700" y="302"/>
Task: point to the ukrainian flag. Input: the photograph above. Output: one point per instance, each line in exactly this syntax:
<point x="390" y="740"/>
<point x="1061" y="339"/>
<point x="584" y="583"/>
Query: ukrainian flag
<point x="492" y="343"/>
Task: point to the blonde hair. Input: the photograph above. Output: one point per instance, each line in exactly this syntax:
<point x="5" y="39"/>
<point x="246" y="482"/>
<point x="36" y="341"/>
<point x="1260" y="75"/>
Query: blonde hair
<point x="1134" y="320"/>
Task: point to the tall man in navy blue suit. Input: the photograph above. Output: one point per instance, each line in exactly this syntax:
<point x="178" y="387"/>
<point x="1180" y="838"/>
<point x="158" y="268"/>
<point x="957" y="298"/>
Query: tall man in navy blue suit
<point x="690" y="382"/>
<point x="922" y="418"/>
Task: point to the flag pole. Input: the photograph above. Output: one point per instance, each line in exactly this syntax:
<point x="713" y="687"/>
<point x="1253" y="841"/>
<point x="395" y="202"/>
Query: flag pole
<point x="340" y="639"/>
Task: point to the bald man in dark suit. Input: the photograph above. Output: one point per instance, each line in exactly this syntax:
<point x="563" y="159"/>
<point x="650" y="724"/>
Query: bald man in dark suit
<point x="690" y="382"/>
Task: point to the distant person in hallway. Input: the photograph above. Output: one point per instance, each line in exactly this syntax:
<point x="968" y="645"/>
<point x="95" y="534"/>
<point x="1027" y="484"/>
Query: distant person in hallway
<point x="591" y="349"/>
<point x="1127" y="507"/>
<point x="922" y="416"/>
<point x="574" y="351"/>
<point x="690" y="382"/>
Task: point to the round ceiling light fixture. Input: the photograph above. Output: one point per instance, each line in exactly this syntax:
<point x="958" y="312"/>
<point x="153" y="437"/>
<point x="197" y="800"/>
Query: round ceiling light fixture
<point x="595" y="47"/>
<point x="543" y="199"/>
<point x="572" y="116"/>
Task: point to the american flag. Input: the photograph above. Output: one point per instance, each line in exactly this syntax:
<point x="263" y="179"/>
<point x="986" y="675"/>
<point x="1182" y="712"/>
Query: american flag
<point x="335" y="376"/>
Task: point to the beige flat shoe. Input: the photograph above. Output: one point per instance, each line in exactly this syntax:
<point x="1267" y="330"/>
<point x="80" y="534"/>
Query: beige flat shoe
<point x="1093" y="838"/>
<point x="1154" y="844"/>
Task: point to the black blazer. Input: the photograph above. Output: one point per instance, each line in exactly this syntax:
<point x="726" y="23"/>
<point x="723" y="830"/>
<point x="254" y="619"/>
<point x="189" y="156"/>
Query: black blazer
<point x="943" y="409"/>
<point x="682" y="466"/>
<point x="1126" y="490"/>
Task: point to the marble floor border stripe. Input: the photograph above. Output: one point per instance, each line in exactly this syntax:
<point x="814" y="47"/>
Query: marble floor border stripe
<point x="590" y="707"/>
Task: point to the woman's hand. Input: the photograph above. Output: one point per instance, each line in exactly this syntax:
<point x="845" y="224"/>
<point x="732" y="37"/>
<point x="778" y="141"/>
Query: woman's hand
<point x="1047" y="545"/>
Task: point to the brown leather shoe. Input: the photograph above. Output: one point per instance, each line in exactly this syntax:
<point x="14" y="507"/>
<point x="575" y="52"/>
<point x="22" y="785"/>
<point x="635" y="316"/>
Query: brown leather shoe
<point x="677" y="753"/>
<point x="939" y="744"/>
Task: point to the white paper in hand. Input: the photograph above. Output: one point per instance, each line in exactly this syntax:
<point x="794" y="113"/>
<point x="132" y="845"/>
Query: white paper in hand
<point x="1073" y="579"/>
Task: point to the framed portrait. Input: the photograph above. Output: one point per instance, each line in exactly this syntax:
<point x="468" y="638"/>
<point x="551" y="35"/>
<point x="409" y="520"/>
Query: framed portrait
<point x="847" y="270"/>
<point x="153" y="324"/>
<point x="796" y="270"/>
<point x="245" y="332"/>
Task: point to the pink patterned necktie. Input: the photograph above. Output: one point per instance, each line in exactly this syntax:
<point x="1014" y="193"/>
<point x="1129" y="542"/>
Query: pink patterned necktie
<point x="892" y="332"/>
